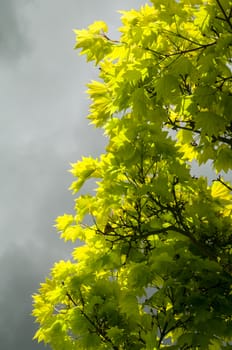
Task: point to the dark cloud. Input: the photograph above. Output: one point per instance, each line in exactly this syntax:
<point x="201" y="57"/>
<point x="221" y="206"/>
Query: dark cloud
<point x="43" y="129"/>
<point x="19" y="275"/>
<point x="13" y="29"/>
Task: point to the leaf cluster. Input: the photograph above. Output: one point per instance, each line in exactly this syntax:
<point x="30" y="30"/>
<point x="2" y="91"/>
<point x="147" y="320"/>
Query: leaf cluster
<point x="154" y="270"/>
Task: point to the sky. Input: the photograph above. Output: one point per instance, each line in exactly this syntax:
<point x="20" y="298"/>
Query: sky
<point x="43" y="106"/>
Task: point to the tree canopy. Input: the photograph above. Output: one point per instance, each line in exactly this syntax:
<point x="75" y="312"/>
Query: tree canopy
<point x="154" y="267"/>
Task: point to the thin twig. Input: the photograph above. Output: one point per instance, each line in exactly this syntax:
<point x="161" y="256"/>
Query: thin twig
<point x="224" y="13"/>
<point x="219" y="179"/>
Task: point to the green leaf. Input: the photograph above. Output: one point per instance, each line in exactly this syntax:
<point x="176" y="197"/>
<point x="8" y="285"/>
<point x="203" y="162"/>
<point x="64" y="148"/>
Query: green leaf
<point x="223" y="159"/>
<point x="210" y="123"/>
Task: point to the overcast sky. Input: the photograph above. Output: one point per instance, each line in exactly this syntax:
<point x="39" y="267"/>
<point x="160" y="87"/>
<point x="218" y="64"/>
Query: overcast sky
<point x="43" y="129"/>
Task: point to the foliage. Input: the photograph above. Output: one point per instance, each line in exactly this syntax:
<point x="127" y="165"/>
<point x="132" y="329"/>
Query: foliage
<point x="155" y="267"/>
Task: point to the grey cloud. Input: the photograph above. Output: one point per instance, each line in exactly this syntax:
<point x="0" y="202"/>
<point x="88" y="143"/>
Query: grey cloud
<point x="43" y="129"/>
<point x="13" y="38"/>
<point x="19" y="275"/>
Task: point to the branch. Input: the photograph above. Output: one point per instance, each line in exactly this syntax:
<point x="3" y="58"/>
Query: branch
<point x="162" y="55"/>
<point x="223" y="139"/>
<point x="96" y="327"/>
<point x="175" y="126"/>
<point x="180" y="52"/>
<point x="219" y="179"/>
<point x="202" y="248"/>
<point x="224" y="13"/>
<point x="182" y="37"/>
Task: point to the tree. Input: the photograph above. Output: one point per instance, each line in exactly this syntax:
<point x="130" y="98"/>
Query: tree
<point x="155" y="267"/>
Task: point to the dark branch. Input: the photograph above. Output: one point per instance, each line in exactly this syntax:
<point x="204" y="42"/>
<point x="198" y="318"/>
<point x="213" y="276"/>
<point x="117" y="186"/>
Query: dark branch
<point x="98" y="329"/>
<point x="219" y="179"/>
<point x="180" y="52"/>
<point x="176" y="126"/>
<point x="224" y="13"/>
